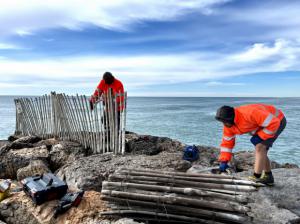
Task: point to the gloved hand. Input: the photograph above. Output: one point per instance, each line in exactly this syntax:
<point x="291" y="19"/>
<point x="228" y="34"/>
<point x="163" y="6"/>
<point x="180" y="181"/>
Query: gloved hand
<point x="91" y="105"/>
<point x="255" y="140"/>
<point x="223" y="166"/>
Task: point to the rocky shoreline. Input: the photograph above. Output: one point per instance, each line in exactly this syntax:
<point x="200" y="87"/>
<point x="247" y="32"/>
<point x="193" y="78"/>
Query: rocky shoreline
<point x="25" y="156"/>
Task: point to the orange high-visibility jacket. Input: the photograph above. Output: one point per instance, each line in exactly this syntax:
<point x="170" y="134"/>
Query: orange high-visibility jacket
<point x="117" y="88"/>
<point x="256" y="119"/>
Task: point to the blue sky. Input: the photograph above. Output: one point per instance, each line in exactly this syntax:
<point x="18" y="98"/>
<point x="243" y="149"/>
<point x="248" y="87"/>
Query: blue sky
<point x="157" y="48"/>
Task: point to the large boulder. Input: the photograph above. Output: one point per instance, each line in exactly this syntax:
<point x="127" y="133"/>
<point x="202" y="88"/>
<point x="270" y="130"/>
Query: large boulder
<point x="151" y="145"/>
<point x="64" y="152"/>
<point x="15" y="159"/>
<point x="88" y="172"/>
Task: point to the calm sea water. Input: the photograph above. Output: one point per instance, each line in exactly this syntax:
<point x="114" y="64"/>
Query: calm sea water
<point x="190" y="120"/>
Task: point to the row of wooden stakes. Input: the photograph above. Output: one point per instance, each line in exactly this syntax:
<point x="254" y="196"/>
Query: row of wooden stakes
<point x="175" y="197"/>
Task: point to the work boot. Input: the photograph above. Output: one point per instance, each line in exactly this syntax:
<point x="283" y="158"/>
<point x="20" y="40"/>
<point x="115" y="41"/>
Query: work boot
<point x="266" y="179"/>
<point x="253" y="178"/>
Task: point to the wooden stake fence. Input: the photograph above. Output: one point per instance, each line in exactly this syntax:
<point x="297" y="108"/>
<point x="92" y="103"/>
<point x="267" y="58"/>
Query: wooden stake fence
<point x="177" y="197"/>
<point x="70" y="118"/>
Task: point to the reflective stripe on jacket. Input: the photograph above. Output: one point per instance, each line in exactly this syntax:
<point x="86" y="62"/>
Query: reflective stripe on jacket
<point x="261" y="119"/>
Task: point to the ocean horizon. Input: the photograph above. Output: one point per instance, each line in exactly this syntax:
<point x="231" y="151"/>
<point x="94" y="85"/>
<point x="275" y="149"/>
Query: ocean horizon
<point x="190" y="120"/>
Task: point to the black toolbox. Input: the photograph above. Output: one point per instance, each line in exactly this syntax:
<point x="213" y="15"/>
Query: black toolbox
<point x="44" y="187"/>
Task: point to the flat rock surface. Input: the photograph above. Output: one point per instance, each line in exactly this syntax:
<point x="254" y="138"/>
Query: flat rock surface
<point x="88" y="173"/>
<point x="280" y="203"/>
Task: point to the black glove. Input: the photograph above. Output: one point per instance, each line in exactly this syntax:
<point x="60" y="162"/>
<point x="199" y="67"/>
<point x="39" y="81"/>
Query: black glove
<point x="91" y="105"/>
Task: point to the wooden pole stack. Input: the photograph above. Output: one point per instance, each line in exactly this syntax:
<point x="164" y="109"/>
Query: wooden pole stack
<point x="177" y="197"/>
<point x="70" y="118"/>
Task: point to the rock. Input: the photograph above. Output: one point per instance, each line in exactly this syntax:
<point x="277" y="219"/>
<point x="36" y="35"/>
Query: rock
<point x="3" y="143"/>
<point x="1" y="222"/>
<point x="36" y="167"/>
<point x="151" y="145"/>
<point x="28" y="139"/>
<point x="64" y="152"/>
<point x="18" y="158"/>
<point x="280" y="203"/>
<point x="47" y="142"/>
<point x="27" y="212"/>
<point x="88" y="173"/>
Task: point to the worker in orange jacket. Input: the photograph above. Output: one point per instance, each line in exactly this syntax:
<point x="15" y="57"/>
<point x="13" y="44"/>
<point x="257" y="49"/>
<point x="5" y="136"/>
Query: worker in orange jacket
<point x="108" y="82"/>
<point x="264" y="122"/>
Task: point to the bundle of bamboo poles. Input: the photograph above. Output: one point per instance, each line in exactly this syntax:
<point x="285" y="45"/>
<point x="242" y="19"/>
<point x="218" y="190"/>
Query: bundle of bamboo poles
<point x="177" y="197"/>
<point x="71" y="118"/>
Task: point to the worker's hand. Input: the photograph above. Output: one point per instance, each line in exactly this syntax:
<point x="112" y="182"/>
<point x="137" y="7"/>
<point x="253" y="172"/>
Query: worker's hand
<point x="256" y="140"/>
<point x="91" y="105"/>
<point x="223" y="166"/>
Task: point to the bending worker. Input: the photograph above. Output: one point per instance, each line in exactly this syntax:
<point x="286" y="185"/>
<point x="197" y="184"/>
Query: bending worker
<point x="109" y="82"/>
<point x="263" y="122"/>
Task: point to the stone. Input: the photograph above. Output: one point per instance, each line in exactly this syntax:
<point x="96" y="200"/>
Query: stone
<point x="151" y="145"/>
<point x="64" y="152"/>
<point x="36" y="167"/>
<point x="28" y="139"/>
<point x="87" y="173"/>
<point x="16" y="159"/>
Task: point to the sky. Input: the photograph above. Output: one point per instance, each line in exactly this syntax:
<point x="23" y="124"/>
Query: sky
<point x="155" y="47"/>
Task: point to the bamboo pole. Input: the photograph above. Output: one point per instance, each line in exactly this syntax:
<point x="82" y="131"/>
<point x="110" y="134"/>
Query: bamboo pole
<point x="186" y="190"/>
<point x="200" y="179"/>
<point x="211" y="214"/>
<point x="180" y="173"/>
<point x="185" y="182"/>
<point x="98" y="125"/>
<point x="115" y="99"/>
<point x="111" y="121"/>
<point x="107" y="124"/>
<point x="124" y="123"/>
<point x="175" y="200"/>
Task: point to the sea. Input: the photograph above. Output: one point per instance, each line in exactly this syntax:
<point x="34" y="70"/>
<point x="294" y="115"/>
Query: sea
<point x="191" y="121"/>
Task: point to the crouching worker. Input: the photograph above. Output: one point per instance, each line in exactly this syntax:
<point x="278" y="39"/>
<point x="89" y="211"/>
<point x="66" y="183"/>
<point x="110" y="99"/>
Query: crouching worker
<point x="263" y="122"/>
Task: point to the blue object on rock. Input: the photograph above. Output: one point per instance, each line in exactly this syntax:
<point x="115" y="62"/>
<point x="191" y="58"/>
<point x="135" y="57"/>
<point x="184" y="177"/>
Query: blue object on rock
<point x="191" y="153"/>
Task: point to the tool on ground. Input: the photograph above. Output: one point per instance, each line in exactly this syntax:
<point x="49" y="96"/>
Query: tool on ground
<point x="68" y="201"/>
<point x="191" y="153"/>
<point x="4" y="189"/>
<point x="45" y="187"/>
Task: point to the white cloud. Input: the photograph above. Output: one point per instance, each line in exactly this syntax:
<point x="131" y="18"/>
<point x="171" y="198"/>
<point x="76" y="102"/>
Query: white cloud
<point x="218" y="83"/>
<point x="24" y="17"/>
<point x="145" y="70"/>
<point x="6" y="46"/>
